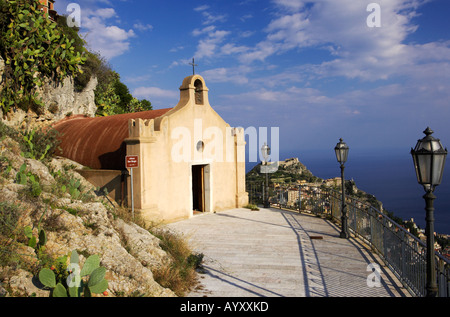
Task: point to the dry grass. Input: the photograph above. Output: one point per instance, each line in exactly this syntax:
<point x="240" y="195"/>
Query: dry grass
<point x="180" y="275"/>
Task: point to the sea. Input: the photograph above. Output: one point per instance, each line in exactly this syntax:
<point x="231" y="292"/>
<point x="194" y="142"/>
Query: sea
<point x="391" y="178"/>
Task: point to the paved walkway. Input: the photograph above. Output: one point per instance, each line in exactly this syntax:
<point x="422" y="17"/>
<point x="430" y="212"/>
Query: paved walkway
<point x="276" y="253"/>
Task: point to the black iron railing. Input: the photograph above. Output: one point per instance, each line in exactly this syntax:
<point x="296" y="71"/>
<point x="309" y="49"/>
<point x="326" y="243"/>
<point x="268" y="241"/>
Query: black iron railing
<point x="403" y="253"/>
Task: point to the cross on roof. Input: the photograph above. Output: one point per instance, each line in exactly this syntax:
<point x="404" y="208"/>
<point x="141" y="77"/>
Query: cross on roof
<point x="193" y="66"/>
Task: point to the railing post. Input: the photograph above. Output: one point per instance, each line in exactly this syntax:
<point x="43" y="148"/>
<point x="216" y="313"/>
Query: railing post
<point x="370" y="225"/>
<point x="385" y="252"/>
<point x="403" y="262"/>
<point x="431" y="256"/>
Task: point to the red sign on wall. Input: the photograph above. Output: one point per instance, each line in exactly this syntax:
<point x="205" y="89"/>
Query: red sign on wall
<point x="131" y="161"/>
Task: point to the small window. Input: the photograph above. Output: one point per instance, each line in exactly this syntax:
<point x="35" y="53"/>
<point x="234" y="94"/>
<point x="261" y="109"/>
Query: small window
<point x="200" y="146"/>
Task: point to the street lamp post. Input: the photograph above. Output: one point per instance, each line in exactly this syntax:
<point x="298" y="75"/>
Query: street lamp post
<point x="429" y="159"/>
<point x="265" y="150"/>
<point x="341" y="150"/>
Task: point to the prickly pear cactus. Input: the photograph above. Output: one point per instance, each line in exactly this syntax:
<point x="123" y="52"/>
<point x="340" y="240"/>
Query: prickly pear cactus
<point x="81" y="282"/>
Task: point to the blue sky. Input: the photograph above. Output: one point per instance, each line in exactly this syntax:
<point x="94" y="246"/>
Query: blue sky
<point x="312" y="68"/>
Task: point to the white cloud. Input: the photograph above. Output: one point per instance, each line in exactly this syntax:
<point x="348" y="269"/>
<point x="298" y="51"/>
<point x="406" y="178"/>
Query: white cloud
<point x="205" y="30"/>
<point x="176" y="49"/>
<point x="100" y="27"/>
<point x="246" y="17"/>
<point x="106" y="13"/>
<point x="137" y="79"/>
<point x="231" y="49"/>
<point x="245" y="34"/>
<point x="340" y="28"/>
<point x="143" y="27"/>
<point x="300" y="98"/>
<point x="290" y="4"/>
<point x="109" y="40"/>
<point x="181" y="62"/>
<point x="236" y="75"/>
<point x="210" y="18"/>
<point x="152" y="92"/>
<point x="213" y="44"/>
<point x="259" y="53"/>
<point x="202" y="8"/>
<point x="209" y="46"/>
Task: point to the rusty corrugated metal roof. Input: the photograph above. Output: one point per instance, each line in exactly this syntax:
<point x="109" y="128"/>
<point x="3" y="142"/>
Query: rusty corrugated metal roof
<point x="98" y="142"/>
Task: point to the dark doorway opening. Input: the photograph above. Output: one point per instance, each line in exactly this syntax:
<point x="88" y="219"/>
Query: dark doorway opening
<point x="198" y="188"/>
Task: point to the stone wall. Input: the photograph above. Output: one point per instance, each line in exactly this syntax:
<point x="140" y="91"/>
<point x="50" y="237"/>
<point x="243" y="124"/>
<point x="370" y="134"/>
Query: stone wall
<point x="60" y="100"/>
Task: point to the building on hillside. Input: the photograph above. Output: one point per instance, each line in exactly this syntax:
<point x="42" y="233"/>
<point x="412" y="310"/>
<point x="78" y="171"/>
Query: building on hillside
<point x="189" y="159"/>
<point x="48" y="6"/>
<point x="333" y="182"/>
<point x="293" y="196"/>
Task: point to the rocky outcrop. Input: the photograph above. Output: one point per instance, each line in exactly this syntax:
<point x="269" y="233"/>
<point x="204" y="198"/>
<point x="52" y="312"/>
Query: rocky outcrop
<point x="60" y="100"/>
<point x="90" y="226"/>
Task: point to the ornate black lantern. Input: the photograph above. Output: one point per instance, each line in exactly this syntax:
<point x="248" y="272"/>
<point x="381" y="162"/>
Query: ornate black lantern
<point x="265" y="151"/>
<point x="341" y="150"/>
<point x="429" y="159"/>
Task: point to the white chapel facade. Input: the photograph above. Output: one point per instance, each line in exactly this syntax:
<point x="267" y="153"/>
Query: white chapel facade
<point x="190" y="160"/>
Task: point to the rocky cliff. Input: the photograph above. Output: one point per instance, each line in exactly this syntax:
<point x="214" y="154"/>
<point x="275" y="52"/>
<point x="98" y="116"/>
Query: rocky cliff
<point x="60" y="100"/>
<point x="289" y="170"/>
<point x="84" y="222"/>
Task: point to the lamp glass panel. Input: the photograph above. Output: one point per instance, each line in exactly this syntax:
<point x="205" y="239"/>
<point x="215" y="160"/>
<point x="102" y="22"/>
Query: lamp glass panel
<point x="424" y="165"/>
<point x="436" y="145"/>
<point x="338" y="154"/>
<point x="344" y="153"/>
<point x="438" y="168"/>
<point x="416" y="168"/>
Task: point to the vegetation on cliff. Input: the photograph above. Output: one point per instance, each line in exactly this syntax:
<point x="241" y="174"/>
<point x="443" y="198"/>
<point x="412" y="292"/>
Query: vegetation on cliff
<point x="34" y="49"/>
<point x="287" y="173"/>
<point x="37" y="50"/>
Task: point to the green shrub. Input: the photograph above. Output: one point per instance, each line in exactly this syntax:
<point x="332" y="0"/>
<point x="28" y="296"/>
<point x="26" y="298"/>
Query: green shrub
<point x="9" y="217"/>
<point x="32" y="44"/>
<point x="5" y="166"/>
<point x="252" y="207"/>
<point x="27" y="178"/>
<point x="7" y="131"/>
<point x="37" y="243"/>
<point x="92" y="67"/>
<point x="66" y="183"/>
<point x="40" y="145"/>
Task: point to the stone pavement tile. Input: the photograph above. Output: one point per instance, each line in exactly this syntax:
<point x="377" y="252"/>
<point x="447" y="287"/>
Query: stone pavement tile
<point x="270" y="253"/>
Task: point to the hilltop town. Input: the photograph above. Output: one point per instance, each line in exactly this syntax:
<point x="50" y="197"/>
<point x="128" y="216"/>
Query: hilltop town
<point x="292" y="174"/>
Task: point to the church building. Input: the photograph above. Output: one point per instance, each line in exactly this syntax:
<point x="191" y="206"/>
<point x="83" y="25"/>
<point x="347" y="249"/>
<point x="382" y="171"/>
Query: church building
<point x="188" y="159"/>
